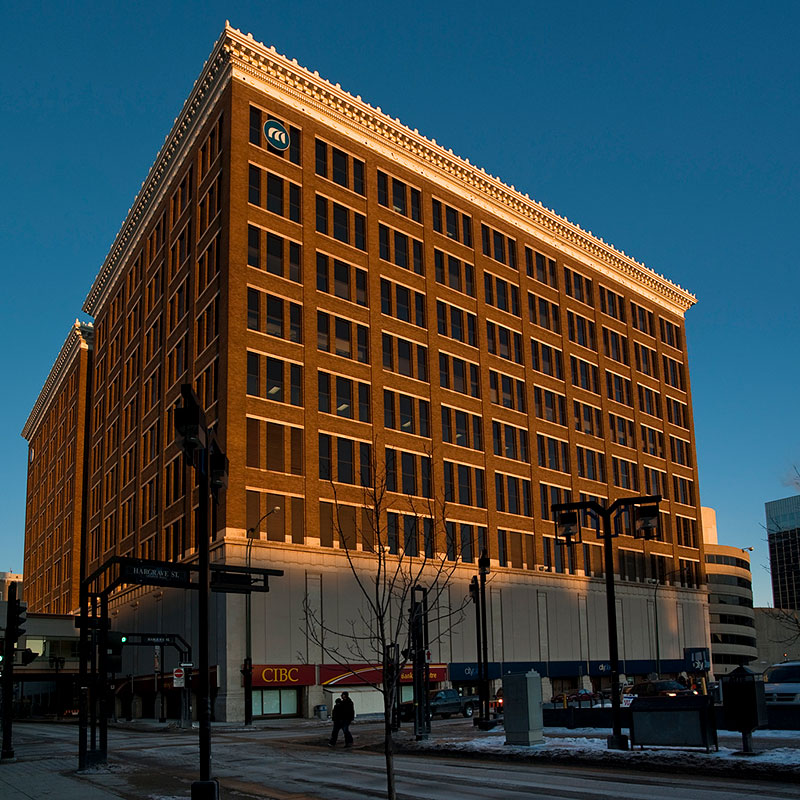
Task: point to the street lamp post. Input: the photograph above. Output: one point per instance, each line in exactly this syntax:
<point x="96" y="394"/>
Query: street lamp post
<point x="247" y="667"/>
<point x="568" y="528"/>
<point x="483" y="571"/>
<point x="201" y="450"/>
<point x="656" y="586"/>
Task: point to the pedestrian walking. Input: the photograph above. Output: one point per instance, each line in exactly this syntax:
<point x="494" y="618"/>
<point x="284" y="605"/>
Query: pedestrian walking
<point x="343" y="714"/>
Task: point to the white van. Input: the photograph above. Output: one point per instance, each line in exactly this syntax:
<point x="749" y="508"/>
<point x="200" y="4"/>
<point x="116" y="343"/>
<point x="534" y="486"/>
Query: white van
<point x="782" y="683"/>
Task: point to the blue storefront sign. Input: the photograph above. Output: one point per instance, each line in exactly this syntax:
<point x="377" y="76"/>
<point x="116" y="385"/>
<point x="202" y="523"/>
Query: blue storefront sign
<point x="696" y="659"/>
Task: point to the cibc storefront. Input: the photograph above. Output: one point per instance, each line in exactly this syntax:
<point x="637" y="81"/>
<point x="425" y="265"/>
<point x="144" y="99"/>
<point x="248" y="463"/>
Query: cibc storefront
<point x="278" y="689"/>
<point x="282" y="690"/>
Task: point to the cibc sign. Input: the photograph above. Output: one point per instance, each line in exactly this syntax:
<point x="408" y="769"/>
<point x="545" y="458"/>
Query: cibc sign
<point x="284" y="675"/>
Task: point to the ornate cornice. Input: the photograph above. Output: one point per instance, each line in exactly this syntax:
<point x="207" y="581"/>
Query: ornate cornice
<point x="239" y="55"/>
<point x="80" y="337"/>
<point x="252" y="61"/>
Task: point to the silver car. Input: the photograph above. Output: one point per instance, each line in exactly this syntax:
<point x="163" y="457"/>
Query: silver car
<point x="782" y="683"/>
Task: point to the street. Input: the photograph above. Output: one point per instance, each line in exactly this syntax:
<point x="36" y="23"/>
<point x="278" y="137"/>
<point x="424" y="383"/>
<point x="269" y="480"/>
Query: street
<point x="291" y="761"/>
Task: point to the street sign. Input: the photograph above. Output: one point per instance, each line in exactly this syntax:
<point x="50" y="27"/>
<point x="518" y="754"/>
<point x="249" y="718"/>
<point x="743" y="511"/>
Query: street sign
<point x="178" y="678"/>
<point x="152" y="573"/>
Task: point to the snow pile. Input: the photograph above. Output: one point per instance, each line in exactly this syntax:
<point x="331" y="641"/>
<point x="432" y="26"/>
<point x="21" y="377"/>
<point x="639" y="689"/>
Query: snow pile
<point x="592" y="747"/>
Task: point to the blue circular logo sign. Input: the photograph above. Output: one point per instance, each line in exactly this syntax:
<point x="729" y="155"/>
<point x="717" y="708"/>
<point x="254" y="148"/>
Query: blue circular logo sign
<point x="277" y="135"/>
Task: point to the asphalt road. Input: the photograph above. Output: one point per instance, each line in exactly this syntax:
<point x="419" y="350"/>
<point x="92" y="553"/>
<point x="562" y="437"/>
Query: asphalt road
<point x="285" y="762"/>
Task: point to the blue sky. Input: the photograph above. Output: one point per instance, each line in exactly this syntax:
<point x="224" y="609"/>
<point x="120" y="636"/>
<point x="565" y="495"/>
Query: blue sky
<point x="671" y="130"/>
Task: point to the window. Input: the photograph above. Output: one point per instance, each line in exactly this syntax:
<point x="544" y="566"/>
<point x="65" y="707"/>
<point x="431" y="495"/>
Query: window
<point x="284" y="381"/>
<point x="512" y="494"/>
<point x="400" y="249"/>
<point x="457" y="324"/>
<point x="283" y="196"/>
<point x="655" y="482"/>
<point x="677" y="412"/>
<point x="543" y="313"/>
<point x="612" y="304"/>
<point x="257" y="120"/>
<point x="673" y="373"/>
<point x="415" y="473"/>
<point x="452" y="272"/>
<point x="282" y="255"/>
<point x="642" y="319"/>
<point x="405" y="413"/>
<point x="553" y="453"/>
<point x="683" y="490"/>
<point x="646" y="359"/>
<point x="621" y="430"/>
<point x="618" y="389"/>
<point x="347" y="470"/>
<point x="498" y="246"/>
<point x="405" y="357"/>
<point x="402" y="303"/>
<point x="503" y="342"/>
<point x="581" y="331"/>
<point x="686" y="531"/>
<point x="451" y="222"/>
<point x="649" y="401"/>
<point x="579" y="287"/>
<point x="501" y="294"/>
<point x="652" y="441"/>
<point x="510" y="441"/>
<point x="625" y="474"/>
<point x="547" y="359"/>
<point x="340" y="167"/>
<point x="681" y="451"/>
<point x="541" y="268"/>
<point x="464" y="484"/>
<point x="341" y="222"/>
<point x="348" y="282"/>
<point x="401" y="198"/>
<point x="591" y="464"/>
<point x="584" y="374"/>
<point x="670" y="333"/>
<point x="461" y="428"/>
<point x="550" y="406"/>
<point x="348" y="339"/>
<point x="507" y="391"/>
<point x="459" y="375"/>
<point x="615" y="346"/>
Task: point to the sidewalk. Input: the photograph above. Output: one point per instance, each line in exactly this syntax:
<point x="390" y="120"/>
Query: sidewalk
<point x="47" y="778"/>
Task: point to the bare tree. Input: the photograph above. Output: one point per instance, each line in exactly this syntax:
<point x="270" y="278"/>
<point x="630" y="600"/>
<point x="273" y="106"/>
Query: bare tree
<point x="386" y="564"/>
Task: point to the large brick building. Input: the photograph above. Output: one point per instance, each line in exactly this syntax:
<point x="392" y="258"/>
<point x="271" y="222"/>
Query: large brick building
<point x="364" y="296"/>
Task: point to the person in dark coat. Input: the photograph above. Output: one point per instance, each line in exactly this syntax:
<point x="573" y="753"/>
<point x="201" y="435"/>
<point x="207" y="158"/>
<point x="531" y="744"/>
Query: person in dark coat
<point x="342" y="715"/>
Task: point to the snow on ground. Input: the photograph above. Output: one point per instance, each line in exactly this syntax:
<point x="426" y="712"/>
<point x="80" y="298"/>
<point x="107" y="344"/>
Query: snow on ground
<point x="590" y="744"/>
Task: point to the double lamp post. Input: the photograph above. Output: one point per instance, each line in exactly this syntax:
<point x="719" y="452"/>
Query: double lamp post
<point x="568" y="528"/>
<point x="200" y="447"/>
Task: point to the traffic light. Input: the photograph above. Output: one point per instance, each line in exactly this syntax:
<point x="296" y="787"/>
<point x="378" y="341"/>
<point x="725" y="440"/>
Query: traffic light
<point x="16" y="620"/>
<point x="114" y="642"/>
<point x="26" y="656"/>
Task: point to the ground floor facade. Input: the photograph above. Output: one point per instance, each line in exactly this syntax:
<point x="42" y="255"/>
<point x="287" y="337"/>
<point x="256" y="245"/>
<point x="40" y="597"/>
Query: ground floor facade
<point x="552" y="623"/>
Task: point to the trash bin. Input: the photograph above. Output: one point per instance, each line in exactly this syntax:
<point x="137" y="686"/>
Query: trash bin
<point x="321" y="712"/>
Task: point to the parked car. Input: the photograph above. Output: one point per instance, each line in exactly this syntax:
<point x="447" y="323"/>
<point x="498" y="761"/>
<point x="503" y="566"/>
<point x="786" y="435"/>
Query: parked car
<point x="579" y="697"/>
<point x="444" y="703"/>
<point x="660" y="689"/>
<point x="496" y="705"/>
<point x="782" y="683"/>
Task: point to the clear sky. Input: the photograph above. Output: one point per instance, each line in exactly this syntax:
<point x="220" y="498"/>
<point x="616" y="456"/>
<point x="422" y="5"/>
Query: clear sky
<point x="671" y="130"/>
